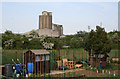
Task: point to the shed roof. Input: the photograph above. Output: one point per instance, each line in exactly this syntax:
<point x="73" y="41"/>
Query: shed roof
<point x="38" y="52"/>
<point x="102" y="55"/>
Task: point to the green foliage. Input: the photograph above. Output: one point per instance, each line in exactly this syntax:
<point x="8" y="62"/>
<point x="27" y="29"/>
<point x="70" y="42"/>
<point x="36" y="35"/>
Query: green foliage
<point x="112" y="67"/>
<point x="0" y="40"/>
<point x="34" y="34"/>
<point x="35" y="44"/>
<point x="117" y="62"/>
<point x="115" y="39"/>
<point x="117" y="76"/>
<point x="94" y="40"/>
<point x="17" y="41"/>
<point x="7" y="55"/>
<point x="98" y="41"/>
<point x="81" y="34"/>
<point x="66" y="40"/>
<point x="8" y="32"/>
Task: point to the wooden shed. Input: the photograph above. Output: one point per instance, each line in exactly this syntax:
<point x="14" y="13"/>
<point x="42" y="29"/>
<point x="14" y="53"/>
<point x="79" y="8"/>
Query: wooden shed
<point x="102" y="59"/>
<point x="40" y="58"/>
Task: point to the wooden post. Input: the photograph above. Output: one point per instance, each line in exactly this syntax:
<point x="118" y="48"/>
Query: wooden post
<point x="72" y="59"/>
<point x="37" y="65"/>
<point x="34" y="63"/>
<point x="16" y="58"/>
<point x="92" y="58"/>
<point x="25" y="61"/>
<point x="82" y="55"/>
<point x="87" y="55"/>
<point x="50" y="61"/>
<point x="51" y="58"/>
<point x="23" y="64"/>
<point x="28" y="61"/>
<point x="40" y="64"/>
<point x="44" y="64"/>
<point x="59" y="54"/>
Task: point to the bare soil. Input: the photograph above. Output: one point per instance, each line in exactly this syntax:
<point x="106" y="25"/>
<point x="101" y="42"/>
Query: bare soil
<point x="87" y="73"/>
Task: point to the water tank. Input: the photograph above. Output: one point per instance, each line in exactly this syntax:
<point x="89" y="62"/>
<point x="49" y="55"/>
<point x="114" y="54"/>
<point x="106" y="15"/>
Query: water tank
<point x="30" y="67"/>
<point x="18" y="68"/>
<point x="8" y="70"/>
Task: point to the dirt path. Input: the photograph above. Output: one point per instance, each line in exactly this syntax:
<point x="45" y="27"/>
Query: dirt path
<point x="86" y="72"/>
<point x="93" y="73"/>
<point x="62" y="72"/>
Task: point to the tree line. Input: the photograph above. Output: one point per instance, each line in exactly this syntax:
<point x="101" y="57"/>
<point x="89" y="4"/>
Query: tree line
<point x="97" y="39"/>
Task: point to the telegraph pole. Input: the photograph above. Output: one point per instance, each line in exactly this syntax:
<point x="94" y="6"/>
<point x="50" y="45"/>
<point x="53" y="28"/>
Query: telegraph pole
<point x="100" y="24"/>
<point x="88" y="28"/>
<point x="89" y="50"/>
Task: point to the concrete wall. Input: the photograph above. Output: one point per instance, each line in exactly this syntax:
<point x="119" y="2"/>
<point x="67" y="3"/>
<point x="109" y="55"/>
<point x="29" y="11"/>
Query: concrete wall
<point x="58" y="28"/>
<point x="48" y="32"/>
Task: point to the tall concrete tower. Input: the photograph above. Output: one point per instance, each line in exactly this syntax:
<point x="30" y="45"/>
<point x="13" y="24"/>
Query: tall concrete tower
<point x="45" y="20"/>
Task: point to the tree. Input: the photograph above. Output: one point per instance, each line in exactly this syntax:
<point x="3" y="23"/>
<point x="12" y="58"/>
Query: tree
<point x="76" y="42"/>
<point x="0" y="40"/>
<point x="81" y="33"/>
<point x="98" y="41"/>
<point x="115" y="38"/>
<point x="101" y="42"/>
<point x="88" y="41"/>
<point x="8" y="32"/>
<point x="34" y="34"/>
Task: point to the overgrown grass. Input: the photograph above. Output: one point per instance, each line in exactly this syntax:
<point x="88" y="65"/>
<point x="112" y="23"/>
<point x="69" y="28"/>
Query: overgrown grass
<point x="70" y="54"/>
<point x="114" y="53"/>
<point x="112" y="67"/>
<point x="112" y="75"/>
<point x="8" y="55"/>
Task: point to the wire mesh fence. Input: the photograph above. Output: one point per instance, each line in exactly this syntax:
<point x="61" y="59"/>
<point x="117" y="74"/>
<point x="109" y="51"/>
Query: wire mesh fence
<point x="72" y="68"/>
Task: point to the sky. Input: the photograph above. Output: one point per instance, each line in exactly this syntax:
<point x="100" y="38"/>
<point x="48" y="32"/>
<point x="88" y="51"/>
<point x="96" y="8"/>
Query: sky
<point x="119" y="16"/>
<point x="21" y="17"/>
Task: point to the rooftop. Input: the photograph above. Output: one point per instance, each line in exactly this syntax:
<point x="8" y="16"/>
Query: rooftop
<point x="38" y="52"/>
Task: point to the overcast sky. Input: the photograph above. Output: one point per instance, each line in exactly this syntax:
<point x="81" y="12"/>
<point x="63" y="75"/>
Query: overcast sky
<point x="21" y="17"/>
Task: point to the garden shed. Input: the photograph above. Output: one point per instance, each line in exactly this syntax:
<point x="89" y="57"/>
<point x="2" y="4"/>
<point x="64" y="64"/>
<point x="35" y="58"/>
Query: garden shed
<point x="102" y="59"/>
<point x="40" y="59"/>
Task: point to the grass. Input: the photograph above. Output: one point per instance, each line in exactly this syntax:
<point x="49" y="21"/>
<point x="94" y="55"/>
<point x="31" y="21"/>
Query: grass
<point x="101" y="78"/>
<point x="70" y="54"/>
<point x="8" y="55"/>
<point x="110" y="67"/>
<point x="112" y="75"/>
<point x="114" y="53"/>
